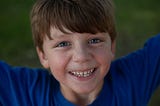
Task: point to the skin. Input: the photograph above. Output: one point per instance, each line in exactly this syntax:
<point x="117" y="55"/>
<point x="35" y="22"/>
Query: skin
<point x="66" y="54"/>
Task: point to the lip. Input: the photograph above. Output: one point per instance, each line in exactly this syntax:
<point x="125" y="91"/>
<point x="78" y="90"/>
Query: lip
<point x="83" y="75"/>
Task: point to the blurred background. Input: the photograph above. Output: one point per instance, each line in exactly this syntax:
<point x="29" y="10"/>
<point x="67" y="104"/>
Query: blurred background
<point x="136" y="20"/>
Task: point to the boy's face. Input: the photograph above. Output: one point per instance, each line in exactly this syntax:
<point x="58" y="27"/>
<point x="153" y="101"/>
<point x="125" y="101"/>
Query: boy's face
<point x="79" y="61"/>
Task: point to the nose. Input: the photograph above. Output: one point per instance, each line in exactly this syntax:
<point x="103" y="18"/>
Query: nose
<point x="81" y="54"/>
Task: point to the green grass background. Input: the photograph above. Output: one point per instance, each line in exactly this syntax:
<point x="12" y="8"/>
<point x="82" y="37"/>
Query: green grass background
<point x="136" y="20"/>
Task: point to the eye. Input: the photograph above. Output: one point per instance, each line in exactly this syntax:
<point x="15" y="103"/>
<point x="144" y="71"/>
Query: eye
<point x="94" y="41"/>
<point x="63" y="44"/>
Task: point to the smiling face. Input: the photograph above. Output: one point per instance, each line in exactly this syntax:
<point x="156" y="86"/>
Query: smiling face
<point x="79" y="61"/>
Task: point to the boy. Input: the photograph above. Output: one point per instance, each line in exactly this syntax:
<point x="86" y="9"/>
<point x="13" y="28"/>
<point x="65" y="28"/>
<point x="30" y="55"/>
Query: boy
<point x="75" y="40"/>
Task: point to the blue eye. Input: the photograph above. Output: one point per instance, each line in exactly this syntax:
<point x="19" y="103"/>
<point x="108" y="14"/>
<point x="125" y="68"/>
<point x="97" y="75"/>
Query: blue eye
<point x="94" y="41"/>
<point x="63" y="44"/>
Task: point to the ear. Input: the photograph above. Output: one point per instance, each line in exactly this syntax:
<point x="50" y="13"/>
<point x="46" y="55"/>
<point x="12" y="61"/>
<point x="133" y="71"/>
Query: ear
<point x="42" y="57"/>
<point x="113" y="48"/>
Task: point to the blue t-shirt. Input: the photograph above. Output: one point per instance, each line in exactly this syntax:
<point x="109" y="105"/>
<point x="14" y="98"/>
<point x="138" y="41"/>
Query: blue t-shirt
<point x="131" y="81"/>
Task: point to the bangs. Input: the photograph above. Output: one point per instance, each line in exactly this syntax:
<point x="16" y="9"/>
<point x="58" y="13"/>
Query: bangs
<point x="76" y="16"/>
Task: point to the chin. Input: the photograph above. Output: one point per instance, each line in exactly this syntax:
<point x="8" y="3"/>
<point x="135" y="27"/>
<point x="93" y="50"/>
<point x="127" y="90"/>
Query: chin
<point x="85" y="90"/>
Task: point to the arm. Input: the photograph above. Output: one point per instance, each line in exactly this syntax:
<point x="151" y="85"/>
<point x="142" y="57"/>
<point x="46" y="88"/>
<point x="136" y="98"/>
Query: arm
<point x="22" y="86"/>
<point x="139" y="72"/>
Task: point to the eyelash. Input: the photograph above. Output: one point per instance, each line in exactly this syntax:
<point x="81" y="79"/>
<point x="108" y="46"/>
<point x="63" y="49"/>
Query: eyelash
<point x="94" y="41"/>
<point x="63" y="44"/>
<point x="91" y="41"/>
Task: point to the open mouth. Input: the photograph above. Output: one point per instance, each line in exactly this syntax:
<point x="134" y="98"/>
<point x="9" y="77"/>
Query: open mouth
<point x="83" y="74"/>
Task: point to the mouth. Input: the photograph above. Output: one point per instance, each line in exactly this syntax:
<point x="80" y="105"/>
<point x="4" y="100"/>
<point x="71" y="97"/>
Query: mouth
<point x="82" y="74"/>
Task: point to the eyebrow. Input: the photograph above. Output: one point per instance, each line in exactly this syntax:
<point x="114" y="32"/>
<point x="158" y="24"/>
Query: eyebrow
<point x="54" y="36"/>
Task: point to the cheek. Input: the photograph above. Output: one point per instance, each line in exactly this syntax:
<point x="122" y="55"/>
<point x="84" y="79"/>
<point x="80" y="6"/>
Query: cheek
<point x="57" y="64"/>
<point x="104" y="57"/>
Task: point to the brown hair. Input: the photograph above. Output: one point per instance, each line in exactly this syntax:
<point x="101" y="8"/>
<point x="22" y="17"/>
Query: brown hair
<point x="82" y="16"/>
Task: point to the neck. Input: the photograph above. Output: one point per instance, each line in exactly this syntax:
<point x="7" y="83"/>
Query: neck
<point x="80" y="99"/>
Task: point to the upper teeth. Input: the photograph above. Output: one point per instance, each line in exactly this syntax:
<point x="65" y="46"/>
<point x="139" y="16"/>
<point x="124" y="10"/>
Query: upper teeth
<point x="83" y="74"/>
